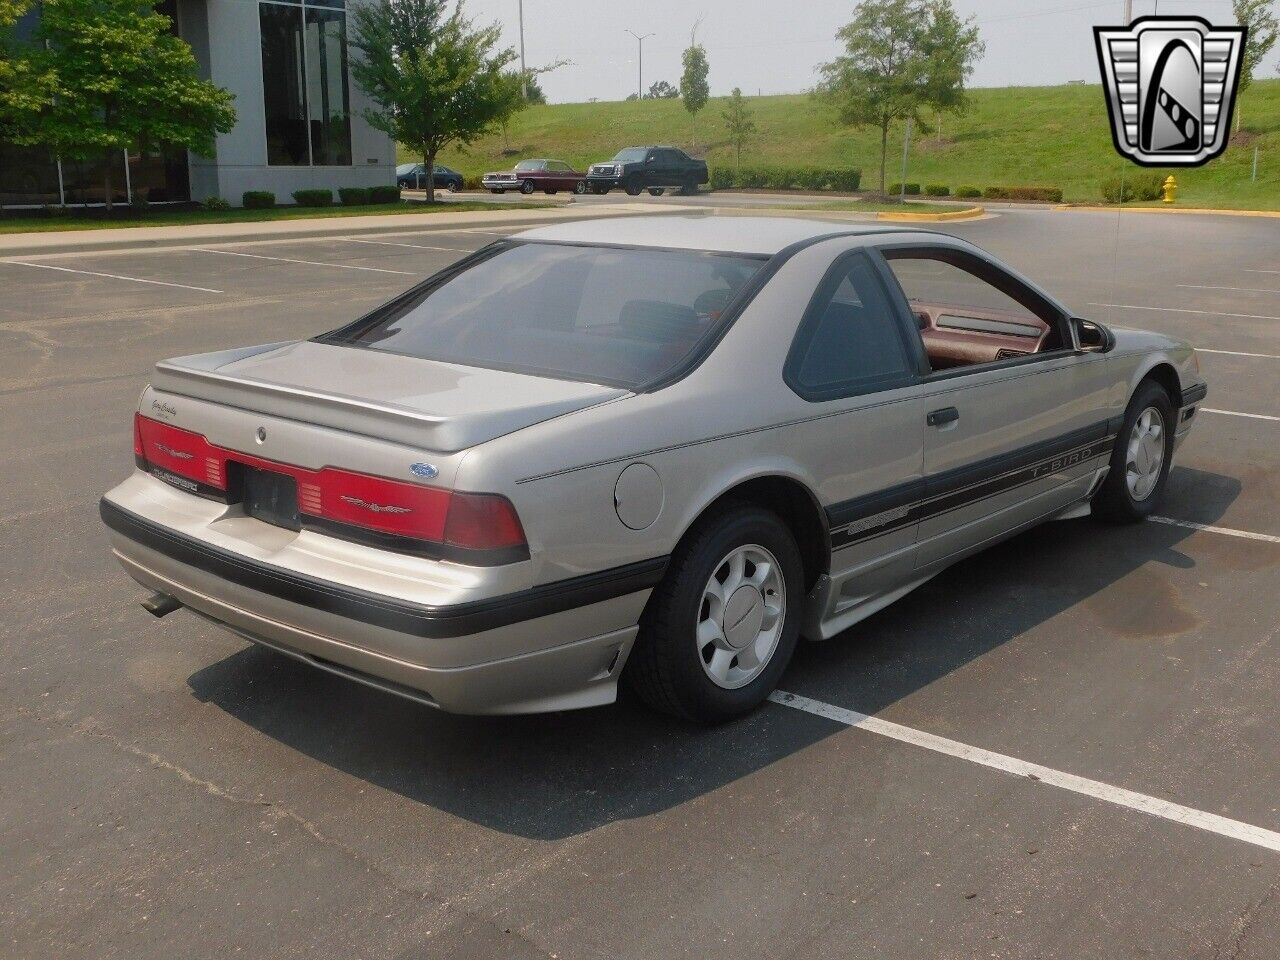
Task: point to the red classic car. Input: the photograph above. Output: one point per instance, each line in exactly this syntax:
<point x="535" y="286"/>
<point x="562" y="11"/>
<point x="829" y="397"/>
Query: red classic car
<point x="530" y="175"/>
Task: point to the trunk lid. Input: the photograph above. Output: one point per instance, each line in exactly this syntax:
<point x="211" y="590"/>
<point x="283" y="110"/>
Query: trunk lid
<point x="420" y="403"/>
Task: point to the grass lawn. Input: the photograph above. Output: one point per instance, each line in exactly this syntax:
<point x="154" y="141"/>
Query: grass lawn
<point x="1011" y="136"/>
<point x="161" y="218"/>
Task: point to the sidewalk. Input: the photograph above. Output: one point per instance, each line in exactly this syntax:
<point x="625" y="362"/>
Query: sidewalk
<point x="131" y="238"/>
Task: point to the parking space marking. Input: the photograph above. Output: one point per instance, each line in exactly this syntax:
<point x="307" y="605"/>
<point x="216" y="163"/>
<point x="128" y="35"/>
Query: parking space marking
<point x="1141" y="802"/>
<point x="415" y="246"/>
<point x="310" y="263"/>
<point x="1239" y="353"/>
<point x="1225" y="531"/>
<point x="1203" y="313"/>
<point x="111" y="276"/>
<point x="1236" y="413"/>
<point x="1203" y="286"/>
<point x="1262" y="271"/>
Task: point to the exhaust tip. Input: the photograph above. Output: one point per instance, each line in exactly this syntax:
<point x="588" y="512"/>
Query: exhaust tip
<point x="160" y="605"/>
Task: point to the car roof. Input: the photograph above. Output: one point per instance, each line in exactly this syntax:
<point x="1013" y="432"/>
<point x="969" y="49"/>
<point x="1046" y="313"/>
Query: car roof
<point x="753" y="235"/>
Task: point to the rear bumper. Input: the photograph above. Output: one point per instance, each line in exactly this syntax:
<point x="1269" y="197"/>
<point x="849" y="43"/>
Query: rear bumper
<point x="556" y="647"/>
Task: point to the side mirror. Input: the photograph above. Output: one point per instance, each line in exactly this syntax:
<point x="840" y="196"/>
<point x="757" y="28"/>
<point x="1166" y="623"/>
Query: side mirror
<point x="650" y="159"/>
<point x="1093" y="336"/>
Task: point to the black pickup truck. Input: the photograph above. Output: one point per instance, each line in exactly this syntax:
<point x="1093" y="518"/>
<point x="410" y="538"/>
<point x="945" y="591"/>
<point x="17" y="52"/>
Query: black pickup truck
<point x="648" y="168"/>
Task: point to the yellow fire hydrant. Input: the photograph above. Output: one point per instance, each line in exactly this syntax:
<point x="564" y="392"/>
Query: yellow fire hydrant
<point x="1170" y="190"/>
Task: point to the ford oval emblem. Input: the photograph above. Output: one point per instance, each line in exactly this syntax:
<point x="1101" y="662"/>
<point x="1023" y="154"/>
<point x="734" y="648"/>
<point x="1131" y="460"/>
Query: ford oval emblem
<point x="424" y="470"/>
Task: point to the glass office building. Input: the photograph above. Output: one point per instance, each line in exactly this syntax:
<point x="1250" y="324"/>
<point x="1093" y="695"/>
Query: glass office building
<point x="298" y="115"/>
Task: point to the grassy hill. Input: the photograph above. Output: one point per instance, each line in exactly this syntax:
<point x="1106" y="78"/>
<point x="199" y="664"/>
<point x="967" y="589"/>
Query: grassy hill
<point x="1048" y="136"/>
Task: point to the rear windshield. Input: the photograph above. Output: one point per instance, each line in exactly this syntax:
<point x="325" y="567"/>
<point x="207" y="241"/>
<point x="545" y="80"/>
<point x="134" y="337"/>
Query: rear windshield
<point x="630" y="155"/>
<point x="606" y="315"/>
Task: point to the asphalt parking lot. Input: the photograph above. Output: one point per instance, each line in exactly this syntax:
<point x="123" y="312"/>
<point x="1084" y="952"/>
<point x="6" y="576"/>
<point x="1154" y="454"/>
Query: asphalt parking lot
<point x="1073" y="750"/>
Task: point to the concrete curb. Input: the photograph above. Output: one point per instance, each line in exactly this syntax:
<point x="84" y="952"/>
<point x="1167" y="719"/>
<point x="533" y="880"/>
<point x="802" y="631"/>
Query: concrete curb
<point x="143" y="238"/>
<point x="1202" y="210"/>
<point x="971" y="213"/>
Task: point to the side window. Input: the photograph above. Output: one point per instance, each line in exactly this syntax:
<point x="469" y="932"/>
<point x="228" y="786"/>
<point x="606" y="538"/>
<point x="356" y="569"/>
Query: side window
<point x="969" y="313"/>
<point x="850" y="341"/>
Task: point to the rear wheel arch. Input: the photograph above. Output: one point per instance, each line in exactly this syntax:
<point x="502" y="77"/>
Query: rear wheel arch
<point x="797" y="507"/>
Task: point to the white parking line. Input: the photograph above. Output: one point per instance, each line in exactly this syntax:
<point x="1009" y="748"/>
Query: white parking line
<point x="1154" y="806"/>
<point x="310" y="263"/>
<point x="1203" y="313"/>
<point x="1262" y="271"/>
<point x="1238" y="353"/>
<point x="1203" y="286"/>
<point x="1236" y="413"/>
<point x="111" y="276"/>
<point x="416" y="246"/>
<point x="1225" y="531"/>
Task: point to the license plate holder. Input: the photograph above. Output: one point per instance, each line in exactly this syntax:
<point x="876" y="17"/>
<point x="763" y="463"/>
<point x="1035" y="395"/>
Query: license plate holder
<point x="270" y="497"/>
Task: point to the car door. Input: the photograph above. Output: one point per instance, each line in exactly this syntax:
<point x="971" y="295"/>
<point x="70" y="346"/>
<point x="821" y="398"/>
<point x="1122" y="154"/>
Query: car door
<point x="1012" y="433"/>
<point x="853" y="361"/>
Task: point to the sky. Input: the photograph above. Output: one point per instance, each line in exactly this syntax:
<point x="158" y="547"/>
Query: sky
<point x="766" y="46"/>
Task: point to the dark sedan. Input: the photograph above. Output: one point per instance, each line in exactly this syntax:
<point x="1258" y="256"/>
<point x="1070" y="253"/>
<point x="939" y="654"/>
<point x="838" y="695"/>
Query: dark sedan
<point x="413" y="176"/>
<point x="527" y="176"/>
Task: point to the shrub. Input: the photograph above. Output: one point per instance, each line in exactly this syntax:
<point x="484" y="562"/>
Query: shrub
<point x="785" y="178"/>
<point x="1025" y="194"/>
<point x="216" y="203"/>
<point x="313" y="198"/>
<point x="1148" y="186"/>
<point x="912" y="189"/>
<point x="937" y="190"/>
<point x="472" y="183"/>
<point x="354" y="196"/>
<point x="385" y="193"/>
<point x="258" y="199"/>
<point x="968" y="192"/>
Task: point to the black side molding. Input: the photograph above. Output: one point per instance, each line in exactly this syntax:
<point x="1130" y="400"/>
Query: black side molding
<point x="428" y="622"/>
<point x="1194" y="394"/>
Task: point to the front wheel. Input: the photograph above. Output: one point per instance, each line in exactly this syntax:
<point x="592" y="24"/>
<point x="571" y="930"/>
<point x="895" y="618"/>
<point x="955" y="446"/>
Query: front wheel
<point x="633" y="186"/>
<point x="454" y="186"/>
<point x="580" y="187"/>
<point x="722" y="625"/>
<point x="527" y="187"/>
<point x="1141" y="459"/>
<point x="657" y="191"/>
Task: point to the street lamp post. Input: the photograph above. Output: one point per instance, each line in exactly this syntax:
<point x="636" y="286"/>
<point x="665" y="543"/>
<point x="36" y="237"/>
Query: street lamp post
<point x="639" y="61"/>
<point x="524" y="76"/>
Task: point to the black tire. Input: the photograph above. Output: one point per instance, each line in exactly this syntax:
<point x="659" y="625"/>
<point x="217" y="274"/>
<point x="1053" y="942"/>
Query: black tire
<point x="527" y="187"/>
<point x="633" y="186"/>
<point x="548" y="192"/>
<point x="496" y="190"/>
<point x="600" y="191"/>
<point x="1115" y="501"/>
<point x="580" y="187"/>
<point x="690" y="188"/>
<point x="454" y="186"/>
<point x="664" y="668"/>
<point x="657" y="191"/>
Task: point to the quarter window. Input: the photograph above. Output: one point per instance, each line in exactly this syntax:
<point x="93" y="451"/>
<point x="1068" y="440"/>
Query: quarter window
<point x="850" y="341"/>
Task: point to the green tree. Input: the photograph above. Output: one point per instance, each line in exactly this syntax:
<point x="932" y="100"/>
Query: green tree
<point x="434" y="77"/>
<point x="117" y="78"/>
<point x="660" y="90"/>
<point x="900" y="57"/>
<point x="694" y="90"/>
<point x="25" y="85"/>
<point x="1260" y="18"/>
<point x="739" y="120"/>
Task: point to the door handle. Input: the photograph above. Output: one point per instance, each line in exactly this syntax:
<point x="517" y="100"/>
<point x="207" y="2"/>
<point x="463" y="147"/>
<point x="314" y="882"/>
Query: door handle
<point x="940" y="418"/>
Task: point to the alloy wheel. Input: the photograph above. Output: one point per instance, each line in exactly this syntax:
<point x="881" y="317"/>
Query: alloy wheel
<point x="1144" y="458"/>
<point x="741" y="616"/>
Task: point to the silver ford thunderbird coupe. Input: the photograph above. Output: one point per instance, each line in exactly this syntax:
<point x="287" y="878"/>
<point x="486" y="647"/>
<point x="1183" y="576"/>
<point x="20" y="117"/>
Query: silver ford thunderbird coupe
<point x="658" y="449"/>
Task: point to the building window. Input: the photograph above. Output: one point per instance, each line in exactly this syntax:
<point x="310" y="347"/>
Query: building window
<point x="304" y="83"/>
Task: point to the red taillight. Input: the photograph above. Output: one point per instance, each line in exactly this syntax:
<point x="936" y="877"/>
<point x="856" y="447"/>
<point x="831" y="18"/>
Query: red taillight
<point x="469" y="527"/>
<point x="482" y="521"/>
